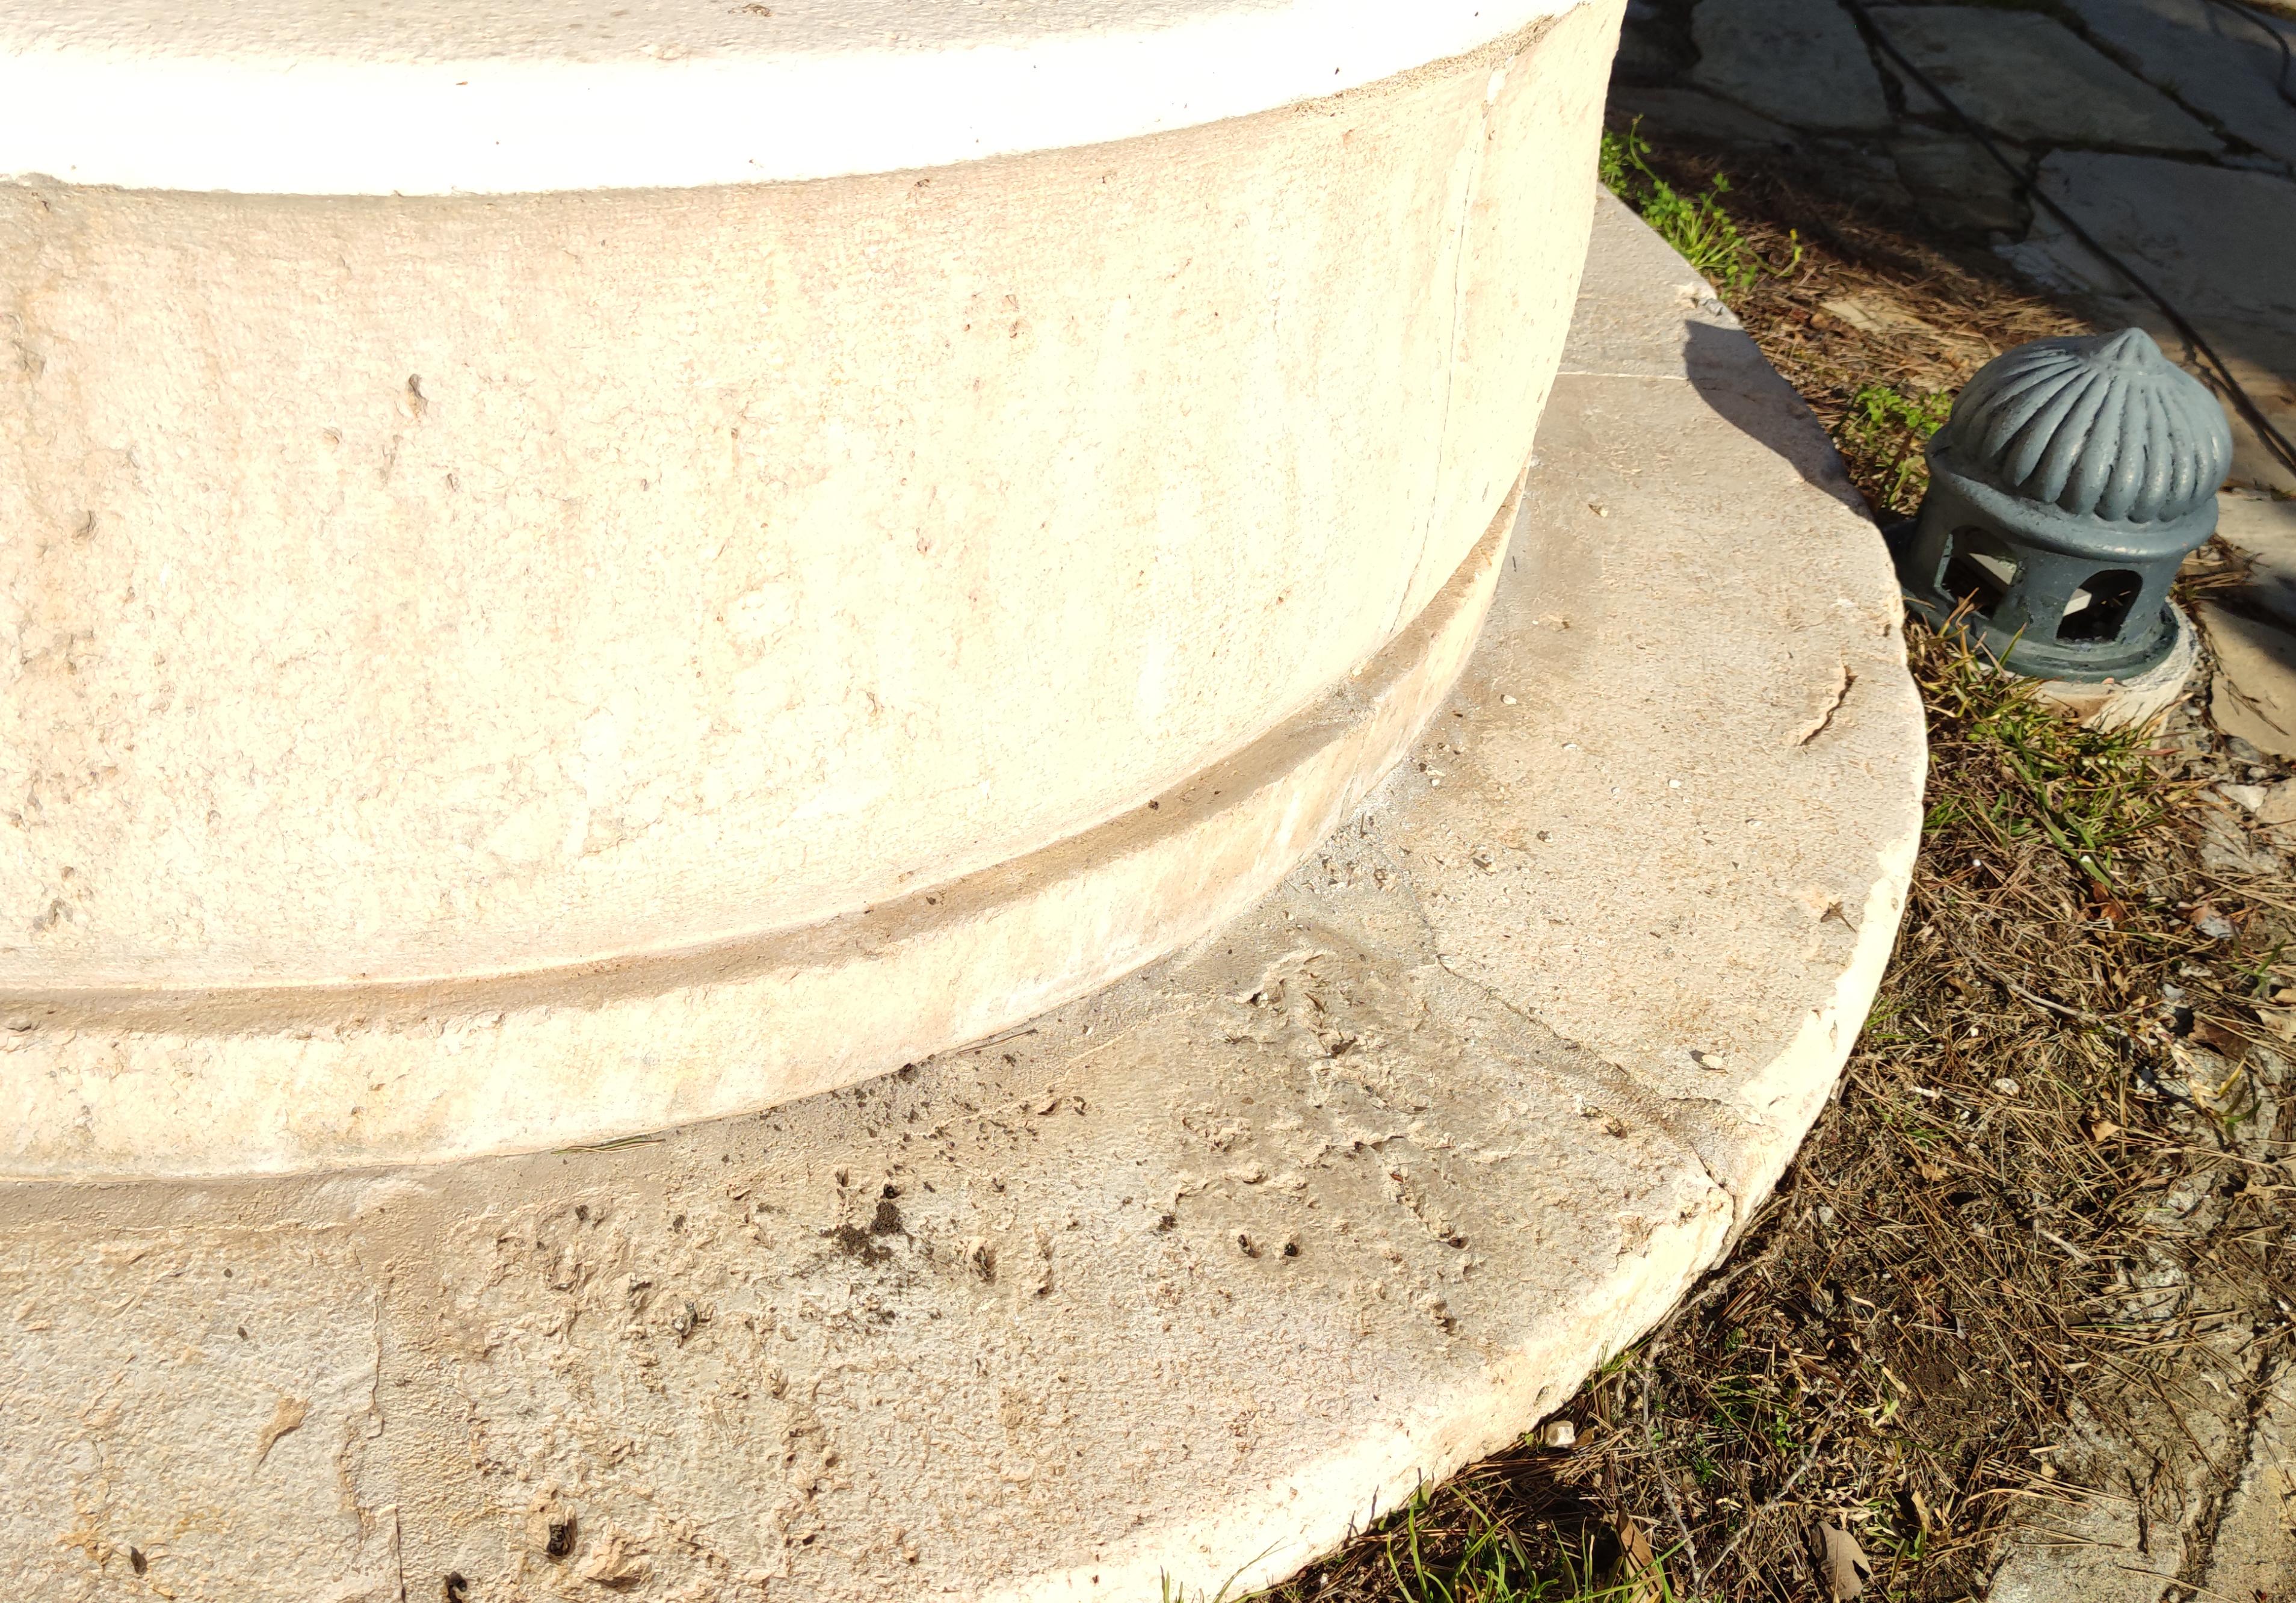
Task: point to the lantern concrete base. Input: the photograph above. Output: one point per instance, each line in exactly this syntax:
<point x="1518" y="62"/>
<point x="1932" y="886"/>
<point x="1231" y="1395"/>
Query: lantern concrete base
<point x="1174" y="1286"/>
<point x="2135" y="701"/>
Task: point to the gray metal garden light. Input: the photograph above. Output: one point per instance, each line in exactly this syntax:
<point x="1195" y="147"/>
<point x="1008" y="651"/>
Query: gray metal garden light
<point x="2071" y="480"/>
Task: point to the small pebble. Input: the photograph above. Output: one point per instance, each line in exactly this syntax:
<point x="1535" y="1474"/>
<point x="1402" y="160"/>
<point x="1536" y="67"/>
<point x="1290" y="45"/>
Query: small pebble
<point x="1558" y="1434"/>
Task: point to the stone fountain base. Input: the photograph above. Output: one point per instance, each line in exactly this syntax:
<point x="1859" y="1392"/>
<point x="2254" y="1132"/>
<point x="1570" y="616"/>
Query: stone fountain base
<point x="1174" y="1286"/>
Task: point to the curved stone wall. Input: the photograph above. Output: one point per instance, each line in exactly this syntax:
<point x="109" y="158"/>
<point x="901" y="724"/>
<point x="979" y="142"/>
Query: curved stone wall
<point x="470" y="658"/>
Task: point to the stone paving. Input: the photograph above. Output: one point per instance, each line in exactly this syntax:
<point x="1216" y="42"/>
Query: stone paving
<point x="2158" y="125"/>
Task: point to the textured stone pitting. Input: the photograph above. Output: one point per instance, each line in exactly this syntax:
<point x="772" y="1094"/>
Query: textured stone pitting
<point x="129" y="1082"/>
<point x="1171" y="1286"/>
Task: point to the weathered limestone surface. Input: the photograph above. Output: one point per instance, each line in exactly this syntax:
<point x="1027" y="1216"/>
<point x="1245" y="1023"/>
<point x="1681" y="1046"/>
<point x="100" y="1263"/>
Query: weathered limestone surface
<point x="484" y="672"/>
<point x="2023" y="75"/>
<point x="1171" y="1285"/>
<point x="506" y="97"/>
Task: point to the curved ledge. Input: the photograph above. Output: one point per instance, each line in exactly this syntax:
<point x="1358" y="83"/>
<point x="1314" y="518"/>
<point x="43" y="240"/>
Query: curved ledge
<point x="498" y="102"/>
<point x="1172" y="1288"/>
<point x="278" y="1080"/>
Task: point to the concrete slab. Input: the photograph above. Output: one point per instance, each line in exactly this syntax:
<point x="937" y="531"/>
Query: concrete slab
<point x="2133" y="1511"/>
<point x="1952" y="179"/>
<point x="2253" y="695"/>
<point x="2220" y="63"/>
<point x="2026" y="77"/>
<point x="2254" y="1552"/>
<point x="2263" y="358"/>
<point x="1800" y="61"/>
<point x="2217" y="241"/>
<point x="2086" y="1549"/>
<point x="1696" y="115"/>
<point x="1170" y="1288"/>
<point x="2263" y="527"/>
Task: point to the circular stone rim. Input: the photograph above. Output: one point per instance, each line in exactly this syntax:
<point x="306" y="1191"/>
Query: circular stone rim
<point x="135" y="1084"/>
<point x="478" y="118"/>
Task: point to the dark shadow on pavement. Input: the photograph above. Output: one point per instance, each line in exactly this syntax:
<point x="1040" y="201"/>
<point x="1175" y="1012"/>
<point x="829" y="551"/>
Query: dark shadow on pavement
<point x="1731" y="376"/>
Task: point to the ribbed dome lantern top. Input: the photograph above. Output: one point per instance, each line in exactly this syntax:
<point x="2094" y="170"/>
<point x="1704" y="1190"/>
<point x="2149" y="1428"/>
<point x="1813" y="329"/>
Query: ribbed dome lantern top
<point x="2100" y="426"/>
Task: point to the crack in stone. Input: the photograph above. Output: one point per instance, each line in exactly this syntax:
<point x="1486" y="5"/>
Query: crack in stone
<point x="1845" y="678"/>
<point x="1644" y="1099"/>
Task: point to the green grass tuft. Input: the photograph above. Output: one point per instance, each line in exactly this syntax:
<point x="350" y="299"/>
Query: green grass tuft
<point x="2090" y="792"/>
<point x="1697" y="225"/>
<point x="1888" y="426"/>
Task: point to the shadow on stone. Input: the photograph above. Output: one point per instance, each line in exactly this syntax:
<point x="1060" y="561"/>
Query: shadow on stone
<point x="1731" y="376"/>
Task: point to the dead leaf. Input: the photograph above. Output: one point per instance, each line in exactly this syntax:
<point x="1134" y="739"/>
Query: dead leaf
<point x="1638" y="1577"/>
<point x="2101" y="1128"/>
<point x="2210" y="1033"/>
<point x="1842" y="1563"/>
<point x="2205" y="918"/>
<point x="287" y="1417"/>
